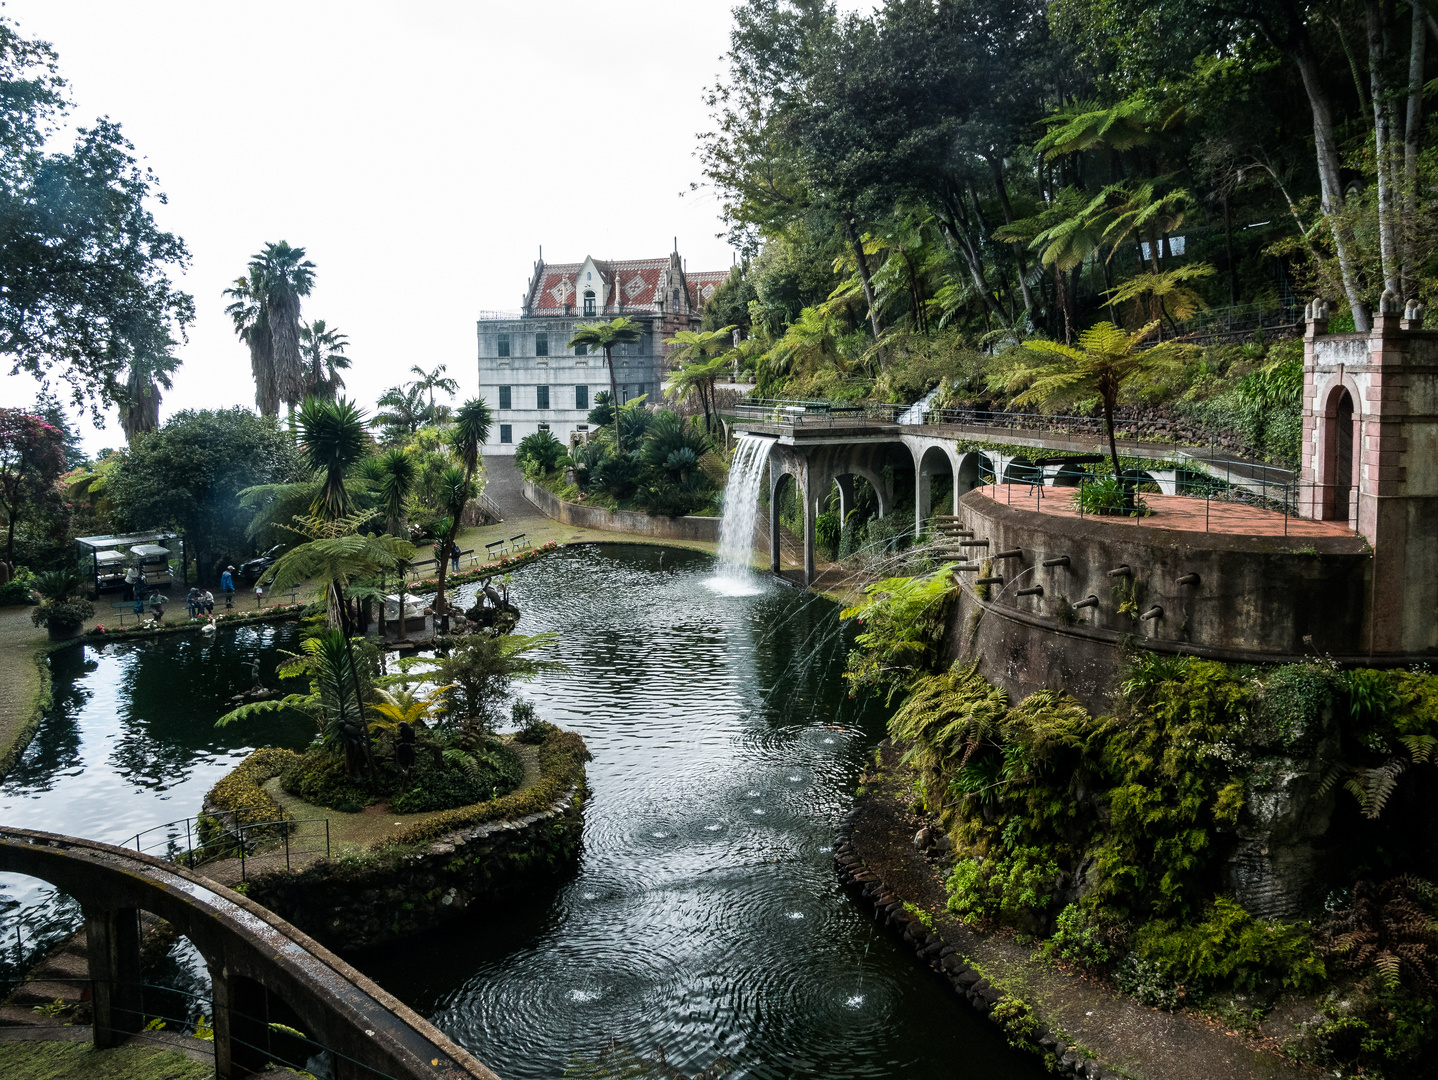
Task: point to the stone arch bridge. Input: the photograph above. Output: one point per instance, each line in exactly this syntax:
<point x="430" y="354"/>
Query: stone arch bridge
<point x="266" y="975"/>
<point x="814" y="454"/>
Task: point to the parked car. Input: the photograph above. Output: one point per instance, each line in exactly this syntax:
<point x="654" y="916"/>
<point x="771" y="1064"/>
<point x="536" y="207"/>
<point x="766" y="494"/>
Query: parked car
<point x="251" y="571"/>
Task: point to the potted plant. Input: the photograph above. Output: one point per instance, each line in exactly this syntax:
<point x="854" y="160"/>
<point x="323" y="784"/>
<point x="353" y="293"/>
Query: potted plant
<point x="62" y="610"/>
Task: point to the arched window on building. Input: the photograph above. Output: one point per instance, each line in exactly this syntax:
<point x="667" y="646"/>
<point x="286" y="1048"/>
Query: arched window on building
<point x="589" y="301"/>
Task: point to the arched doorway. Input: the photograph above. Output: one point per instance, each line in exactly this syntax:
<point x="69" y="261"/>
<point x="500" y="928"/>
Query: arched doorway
<point x="1338" y="456"/>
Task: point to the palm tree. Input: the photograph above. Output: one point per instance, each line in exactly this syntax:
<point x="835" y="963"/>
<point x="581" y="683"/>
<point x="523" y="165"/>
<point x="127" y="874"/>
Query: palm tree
<point x="332" y="440"/>
<point x="253" y="328"/>
<point x="1054" y="376"/>
<point x="430" y="381"/>
<point x="139" y="405"/>
<point x="471" y="432"/>
<point x="323" y="350"/>
<point x="700" y="360"/>
<point x="620" y="331"/>
<point x="402" y="411"/>
<point x="397" y="474"/>
<point x="285" y="275"/>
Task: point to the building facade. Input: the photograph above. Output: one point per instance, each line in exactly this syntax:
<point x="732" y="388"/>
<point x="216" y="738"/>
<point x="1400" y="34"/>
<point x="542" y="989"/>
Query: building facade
<point x="530" y="376"/>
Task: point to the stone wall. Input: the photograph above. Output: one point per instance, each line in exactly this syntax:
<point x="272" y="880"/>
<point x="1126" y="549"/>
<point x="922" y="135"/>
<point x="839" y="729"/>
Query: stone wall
<point x="1255" y="600"/>
<point x="352" y="905"/>
<point x="692" y="527"/>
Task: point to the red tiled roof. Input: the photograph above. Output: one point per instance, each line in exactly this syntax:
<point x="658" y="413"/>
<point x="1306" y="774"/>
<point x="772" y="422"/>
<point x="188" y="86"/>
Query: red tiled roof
<point x="635" y="281"/>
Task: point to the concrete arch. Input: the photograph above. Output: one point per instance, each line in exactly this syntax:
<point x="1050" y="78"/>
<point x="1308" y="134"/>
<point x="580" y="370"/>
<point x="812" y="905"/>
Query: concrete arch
<point x="933" y="460"/>
<point x="1068" y="476"/>
<point x="248" y="949"/>
<point x="1020" y="470"/>
<point x="974" y="469"/>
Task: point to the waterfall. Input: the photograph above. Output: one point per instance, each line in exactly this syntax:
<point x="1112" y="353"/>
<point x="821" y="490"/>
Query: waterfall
<point x="741" y="506"/>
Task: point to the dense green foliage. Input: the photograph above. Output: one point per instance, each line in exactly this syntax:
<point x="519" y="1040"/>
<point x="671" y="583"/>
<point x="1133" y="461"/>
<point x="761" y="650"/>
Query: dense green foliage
<point x="85" y="291"/>
<point x="188" y="475"/>
<point x="662" y="472"/>
<point x="1109" y="836"/>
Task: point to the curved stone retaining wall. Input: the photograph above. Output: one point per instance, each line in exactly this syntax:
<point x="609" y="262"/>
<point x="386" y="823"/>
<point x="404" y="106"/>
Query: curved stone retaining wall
<point x="392" y="893"/>
<point x="692" y="527"/>
<point x="1255" y="599"/>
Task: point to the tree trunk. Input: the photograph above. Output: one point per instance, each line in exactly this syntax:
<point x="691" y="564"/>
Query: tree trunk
<point x="1379" y="52"/>
<point x="996" y="166"/>
<point x="1113" y="449"/>
<point x="858" y="245"/>
<point x="1300" y="50"/>
<point x="441" y="605"/>
<point x="1228" y="250"/>
<point x="613" y="396"/>
<point x="1412" y="135"/>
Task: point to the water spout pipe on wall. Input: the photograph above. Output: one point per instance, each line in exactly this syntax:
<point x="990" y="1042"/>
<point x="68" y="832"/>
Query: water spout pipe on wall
<point x="1088" y="601"/>
<point x="1189" y="579"/>
<point x="1012" y="553"/>
<point x="1062" y="560"/>
<point x="1121" y="571"/>
<point x="1032" y="590"/>
<point x="1154" y="612"/>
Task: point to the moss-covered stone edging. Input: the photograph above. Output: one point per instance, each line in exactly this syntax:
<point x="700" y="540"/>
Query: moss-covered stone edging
<point x="100" y="633"/>
<point x="438" y="867"/>
<point x="464" y="577"/>
<point x="1010" y="1013"/>
<point x="39" y="704"/>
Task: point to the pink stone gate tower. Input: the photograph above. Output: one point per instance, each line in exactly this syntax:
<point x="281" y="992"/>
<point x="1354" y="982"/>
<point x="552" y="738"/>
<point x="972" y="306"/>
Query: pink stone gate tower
<point x="1369" y="457"/>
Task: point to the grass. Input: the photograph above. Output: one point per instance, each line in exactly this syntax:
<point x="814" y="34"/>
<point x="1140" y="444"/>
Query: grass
<point x="81" y="1061"/>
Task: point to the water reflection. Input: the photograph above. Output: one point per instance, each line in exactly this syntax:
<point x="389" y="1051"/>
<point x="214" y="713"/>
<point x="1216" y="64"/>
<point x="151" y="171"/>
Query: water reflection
<point x="130" y="743"/>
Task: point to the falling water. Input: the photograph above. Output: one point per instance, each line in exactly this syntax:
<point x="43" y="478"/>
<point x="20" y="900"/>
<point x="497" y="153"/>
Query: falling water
<point x="741" y="504"/>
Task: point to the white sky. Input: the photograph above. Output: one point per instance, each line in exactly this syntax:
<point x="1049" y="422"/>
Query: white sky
<point x="420" y="152"/>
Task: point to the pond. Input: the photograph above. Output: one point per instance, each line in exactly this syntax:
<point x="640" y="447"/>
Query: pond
<point x="705" y="917"/>
<point x="131" y="743"/>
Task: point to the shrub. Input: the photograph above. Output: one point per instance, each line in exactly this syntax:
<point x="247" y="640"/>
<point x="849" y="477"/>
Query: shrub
<point x="1231" y="947"/>
<point x="17" y="591"/>
<point x="1103" y="495"/>
<point x="561" y="766"/>
<point x="1149" y="984"/>
<point x="1005" y="888"/>
<point x="540" y="450"/>
<point x="490" y="771"/>
<point x="62" y="614"/>
<point x="1078" y="940"/>
<point x="532" y="730"/>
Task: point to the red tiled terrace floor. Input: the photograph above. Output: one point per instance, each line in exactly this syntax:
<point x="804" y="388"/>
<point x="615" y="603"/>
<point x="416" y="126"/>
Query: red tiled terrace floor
<point x="1175" y="512"/>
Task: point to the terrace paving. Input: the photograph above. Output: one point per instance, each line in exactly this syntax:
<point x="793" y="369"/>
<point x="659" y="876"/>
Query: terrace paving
<point x="1182" y="512"/>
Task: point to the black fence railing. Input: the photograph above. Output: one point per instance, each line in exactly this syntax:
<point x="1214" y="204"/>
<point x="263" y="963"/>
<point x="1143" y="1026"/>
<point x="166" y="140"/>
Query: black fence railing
<point x="193" y="842"/>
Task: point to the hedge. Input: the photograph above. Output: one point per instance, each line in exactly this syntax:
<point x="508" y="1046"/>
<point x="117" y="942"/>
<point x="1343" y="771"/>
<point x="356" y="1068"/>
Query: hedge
<point x="241" y="790"/>
<point x="561" y="766"/>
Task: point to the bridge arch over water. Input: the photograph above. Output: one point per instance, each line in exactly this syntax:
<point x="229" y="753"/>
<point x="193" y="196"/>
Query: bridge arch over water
<point x="255" y="958"/>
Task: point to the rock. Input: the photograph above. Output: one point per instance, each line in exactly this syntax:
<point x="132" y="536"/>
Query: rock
<point x="992" y="994"/>
<point x="943" y="844"/>
<point x="923" y="838"/>
<point x="968" y="979"/>
<point x="951" y="963"/>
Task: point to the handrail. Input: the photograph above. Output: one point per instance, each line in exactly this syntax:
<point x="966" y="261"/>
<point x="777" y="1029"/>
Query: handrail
<point x="234" y="838"/>
<point x="240" y="940"/>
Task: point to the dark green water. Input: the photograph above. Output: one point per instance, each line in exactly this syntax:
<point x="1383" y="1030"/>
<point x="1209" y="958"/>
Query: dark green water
<point x="705" y="916"/>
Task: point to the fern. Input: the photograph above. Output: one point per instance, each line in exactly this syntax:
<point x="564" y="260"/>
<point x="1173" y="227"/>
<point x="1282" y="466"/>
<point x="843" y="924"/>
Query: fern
<point x="250" y="709"/>
<point x="1388" y="931"/>
<point x="461" y="759"/>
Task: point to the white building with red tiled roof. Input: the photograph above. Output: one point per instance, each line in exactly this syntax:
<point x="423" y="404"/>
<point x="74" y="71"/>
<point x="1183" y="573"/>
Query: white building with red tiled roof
<point x="530" y="376"/>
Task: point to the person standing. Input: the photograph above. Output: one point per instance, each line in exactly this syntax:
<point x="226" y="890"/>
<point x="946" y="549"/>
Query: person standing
<point x="227" y="586"/>
<point x="132" y="577"/>
<point x="454" y="554"/>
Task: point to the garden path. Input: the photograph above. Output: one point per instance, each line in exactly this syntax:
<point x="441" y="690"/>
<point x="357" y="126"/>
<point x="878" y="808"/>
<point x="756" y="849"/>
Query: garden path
<point x="20" y="680"/>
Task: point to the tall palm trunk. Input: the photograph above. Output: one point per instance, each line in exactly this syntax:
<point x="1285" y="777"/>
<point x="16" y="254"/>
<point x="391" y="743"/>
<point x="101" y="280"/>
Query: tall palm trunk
<point x="262" y="367"/>
<point x="285" y="335"/>
<point x="1412" y="135"/>
<point x="613" y="396"/>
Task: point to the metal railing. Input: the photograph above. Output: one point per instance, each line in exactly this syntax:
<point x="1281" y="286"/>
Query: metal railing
<point x="975" y="422"/>
<point x="1300" y="501"/>
<point x="223" y="835"/>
